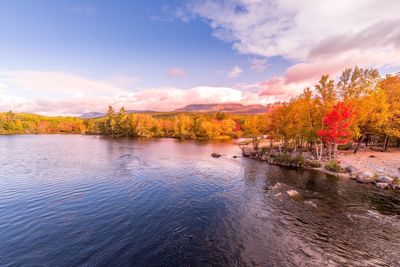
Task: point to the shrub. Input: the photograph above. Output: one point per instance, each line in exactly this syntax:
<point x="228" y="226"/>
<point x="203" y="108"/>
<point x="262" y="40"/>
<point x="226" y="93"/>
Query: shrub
<point x="298" y="160"/>
<point x="265" y="150"/>
<point x="287" y="159"/>
<point x="344" y="146"/>
<point x="281" y="158"/>
<point x="333" y="166"/>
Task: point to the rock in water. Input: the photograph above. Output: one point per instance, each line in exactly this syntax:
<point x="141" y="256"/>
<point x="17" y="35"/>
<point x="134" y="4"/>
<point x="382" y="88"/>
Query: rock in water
<point x="385" y="179"/>
<point x="351" y="169"/>
<point x="365" y="177"/>
<point x="248" y="151"/>
<point x="293" y="193"/>
<point x="382" y="185"/>
<point x="215" y="155"/>
<point x="310" y="203"/>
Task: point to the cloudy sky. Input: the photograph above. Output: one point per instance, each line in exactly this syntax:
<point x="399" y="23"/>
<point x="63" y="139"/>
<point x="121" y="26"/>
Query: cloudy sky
<point x="71" y="57"/>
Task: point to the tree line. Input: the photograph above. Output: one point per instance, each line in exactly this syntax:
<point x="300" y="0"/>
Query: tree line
<point x="361" y="106"/>
<point x="14" y="123"/>
<point x="177" y="125"/>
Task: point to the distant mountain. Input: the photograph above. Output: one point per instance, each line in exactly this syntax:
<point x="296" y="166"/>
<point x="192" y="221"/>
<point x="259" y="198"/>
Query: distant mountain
<point x="234" y="108"/>
<point x="92" y="115"/>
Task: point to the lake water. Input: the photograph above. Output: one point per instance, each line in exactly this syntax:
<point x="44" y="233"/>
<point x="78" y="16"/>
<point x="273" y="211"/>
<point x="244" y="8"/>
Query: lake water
<point x="70" y="200"/>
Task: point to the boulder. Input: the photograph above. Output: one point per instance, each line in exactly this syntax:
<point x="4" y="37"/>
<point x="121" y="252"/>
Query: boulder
<point x="385" y="179"/>
<point x="310" y="203"/>
<point x="308" y="155"/>
<point x="248" y="151"/>
<point x="351" y="169"/>
<point x="293" y="193"/>
<point x="365" y="177"/>
<point x="215" y="155"/>
<point x="382" y="185"/>
<point x="380" y="170"/>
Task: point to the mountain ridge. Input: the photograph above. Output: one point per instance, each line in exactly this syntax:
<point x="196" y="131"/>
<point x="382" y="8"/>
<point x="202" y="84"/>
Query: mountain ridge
<point x="232" y="108"/>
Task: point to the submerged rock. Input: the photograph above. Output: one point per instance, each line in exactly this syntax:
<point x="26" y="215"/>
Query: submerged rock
<point x="382" y="185"/>
<point x="275" y="186"/>
<point x="293" y="193"/>
<point x="215" y="155"/>
<point x="310" y="203"/>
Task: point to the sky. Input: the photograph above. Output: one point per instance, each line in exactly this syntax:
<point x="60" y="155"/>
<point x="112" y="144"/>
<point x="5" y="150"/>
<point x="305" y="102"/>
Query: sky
<point x="71" y="57"/>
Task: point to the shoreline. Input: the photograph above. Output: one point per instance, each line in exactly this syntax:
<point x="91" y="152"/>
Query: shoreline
<point x="366" y="167"/>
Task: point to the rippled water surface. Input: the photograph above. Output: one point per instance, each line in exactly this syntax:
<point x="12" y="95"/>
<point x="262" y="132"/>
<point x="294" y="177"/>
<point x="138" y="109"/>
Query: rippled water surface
<point x="87" y="200"/>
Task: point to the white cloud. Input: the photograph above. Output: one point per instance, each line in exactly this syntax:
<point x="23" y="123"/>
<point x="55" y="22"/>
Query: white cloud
<point x="235" y="72"/>
<point x="59" y="93"/>
<point x="319" y="36"/>
<point x="175" y="72"/>
<point x="57" y="82"/>
<point x="303" y="30"/>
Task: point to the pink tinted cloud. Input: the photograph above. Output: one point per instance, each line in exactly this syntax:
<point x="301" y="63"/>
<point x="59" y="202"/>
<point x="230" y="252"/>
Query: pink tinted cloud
<point x="175" y="72"/>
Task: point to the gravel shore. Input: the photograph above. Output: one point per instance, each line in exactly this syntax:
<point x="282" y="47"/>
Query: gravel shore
<point x="381" y="163"/>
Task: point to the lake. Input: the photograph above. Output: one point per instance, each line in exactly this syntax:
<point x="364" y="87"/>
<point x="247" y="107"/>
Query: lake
<point x="70" y="200"/>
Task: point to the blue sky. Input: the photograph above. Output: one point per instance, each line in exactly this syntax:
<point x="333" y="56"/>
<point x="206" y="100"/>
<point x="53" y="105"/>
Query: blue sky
<point x="142" y="39"/>
<point x="69" y="57"/>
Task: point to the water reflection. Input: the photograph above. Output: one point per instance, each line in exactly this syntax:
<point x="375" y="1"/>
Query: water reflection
<point x="87" y="200"/>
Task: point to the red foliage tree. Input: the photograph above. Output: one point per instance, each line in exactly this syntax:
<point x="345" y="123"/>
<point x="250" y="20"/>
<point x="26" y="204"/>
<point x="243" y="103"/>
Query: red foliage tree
<point x="337" y="124"/>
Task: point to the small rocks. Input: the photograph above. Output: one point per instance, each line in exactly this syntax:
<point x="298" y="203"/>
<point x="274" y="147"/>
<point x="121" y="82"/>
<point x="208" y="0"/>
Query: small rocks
<point x="382" y="185"/>
<point x="385" y="179"/>
<point x="215" y="155"/>
<point x="293" y="193"/>
<point x="310" y="203"/>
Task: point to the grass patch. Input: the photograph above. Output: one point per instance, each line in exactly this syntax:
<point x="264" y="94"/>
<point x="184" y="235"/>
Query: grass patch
<point x="333" y="166"/>
<point x="313" y="164"/>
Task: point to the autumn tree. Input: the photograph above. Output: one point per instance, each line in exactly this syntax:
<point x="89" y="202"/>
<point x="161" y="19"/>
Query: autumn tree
<point x="336" y="129"/>
<point x="253" y="127"/>
<point x="391" y="86"/>
<point x="110" y="122"/>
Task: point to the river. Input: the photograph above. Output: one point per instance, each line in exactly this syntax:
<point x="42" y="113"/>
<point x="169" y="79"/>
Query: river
<point x="68" y="200"/>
